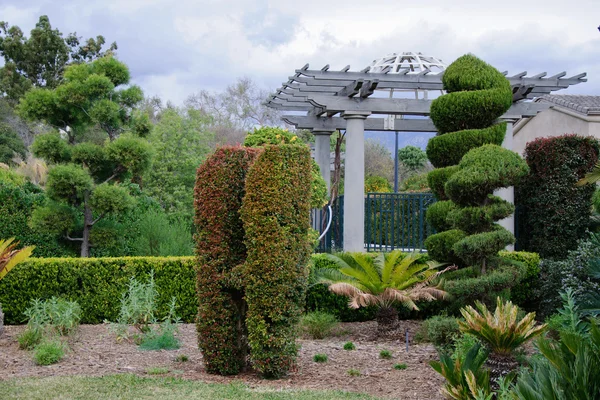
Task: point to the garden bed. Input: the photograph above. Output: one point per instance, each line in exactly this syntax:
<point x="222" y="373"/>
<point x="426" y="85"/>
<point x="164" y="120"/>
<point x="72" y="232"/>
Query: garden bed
<point x="94" y="352"/>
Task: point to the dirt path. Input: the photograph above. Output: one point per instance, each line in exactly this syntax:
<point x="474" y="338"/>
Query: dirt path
<point x="94" y="352"/>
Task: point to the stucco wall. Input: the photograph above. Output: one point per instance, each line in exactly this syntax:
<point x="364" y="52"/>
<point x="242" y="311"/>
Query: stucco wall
<point x="553" y="122"/>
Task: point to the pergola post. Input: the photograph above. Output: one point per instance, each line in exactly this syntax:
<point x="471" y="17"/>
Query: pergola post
<point x="508" y="193"/>
<point x="322" y="154"/>
<point x="354" y="182"/>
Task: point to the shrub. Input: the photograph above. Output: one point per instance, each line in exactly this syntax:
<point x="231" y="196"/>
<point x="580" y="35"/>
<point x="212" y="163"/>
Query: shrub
<point x="440" y="330"/>
<point x="349" y="346"/>
<point x="59" y="315"/>
<point x="554" y="212"/>
<point x="320" y="358"/>
<point x="162" y="340"/>
<point x="353" y="372"/>
<point x="477" y="94"/>
<point x="29" y="338"/>
<point x="275" y="213"/>
<point x="49" y="352"/>
<point x="318" y="324"/>
<point x="400" y="366"/>
<point x="138" y="304"/>
<point x="524" y="293"/>
<point x="220" y="188"/>
<point x="377" y="184"/>
<point x="385" y="354"/>
<point x="97" y="284"/>
<point x="416" y="183"/>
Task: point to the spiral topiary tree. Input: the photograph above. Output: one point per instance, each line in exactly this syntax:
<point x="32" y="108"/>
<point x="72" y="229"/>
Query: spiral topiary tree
<point x="470" y="164"/>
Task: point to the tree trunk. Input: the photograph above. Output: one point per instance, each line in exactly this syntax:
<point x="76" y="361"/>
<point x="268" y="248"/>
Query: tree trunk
<point x="88" y="222"/>
<point x="387" y="320"/>
<point x="500" y="365"/>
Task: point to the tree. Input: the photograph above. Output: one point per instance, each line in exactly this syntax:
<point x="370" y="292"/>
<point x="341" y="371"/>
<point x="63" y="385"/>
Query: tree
<point x="89" y="96"/>
<point x="378" y="160"/>
<point x="181" y="140"/>
<point x="81" y="184"/>
<point x="236" y="111"/>
<point x="11" y="144"/>
<point x="382" y="280"/>
<point x="41" y="59"/>
<point x="412" y="158"/>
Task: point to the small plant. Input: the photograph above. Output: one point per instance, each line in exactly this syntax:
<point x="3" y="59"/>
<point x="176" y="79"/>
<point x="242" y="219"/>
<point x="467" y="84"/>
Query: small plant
<point x="182" y="358"/>
<point x="29" y="338"/>
<point x="353" y="372"/>
<point x="163" y="338"/>
<point x="318" y="324"/>
<point x="440" y="330"/>
<point x="157" y="371"/>
<point x="349" y="346"/>
<point x="320" y="358"/>
<point x="385" y="354"/>
<point x="49" y="352"/>
<point x="56" y="314"/>
<point x="400" y="366"/>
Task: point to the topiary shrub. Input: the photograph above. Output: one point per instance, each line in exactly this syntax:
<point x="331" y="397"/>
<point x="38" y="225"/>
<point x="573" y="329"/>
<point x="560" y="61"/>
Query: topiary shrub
<point x="554" y="212"/>
<point x="275" y="213"/>
<point x="477" y="94"/>
<point x="220" y="188"/>
<point x="377" y="184"/>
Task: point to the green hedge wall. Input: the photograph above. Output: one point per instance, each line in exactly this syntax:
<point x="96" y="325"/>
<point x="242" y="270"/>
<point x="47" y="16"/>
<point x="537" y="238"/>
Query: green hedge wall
<point x="97" y="284"/>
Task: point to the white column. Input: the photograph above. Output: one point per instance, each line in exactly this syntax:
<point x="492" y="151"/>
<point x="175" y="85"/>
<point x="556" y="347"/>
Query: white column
<point x="508" y="193"/>
<point x="323" y="154"/>
<point x="354" y="182"/>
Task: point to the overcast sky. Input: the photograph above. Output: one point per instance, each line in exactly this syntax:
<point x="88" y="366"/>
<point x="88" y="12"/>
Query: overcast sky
<point x="175" y="48"/>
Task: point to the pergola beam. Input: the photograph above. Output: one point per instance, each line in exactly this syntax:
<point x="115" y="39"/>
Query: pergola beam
<point x="371" y="124"/>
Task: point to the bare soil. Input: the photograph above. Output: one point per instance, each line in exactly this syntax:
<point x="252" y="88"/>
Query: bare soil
<point x="95" y="352"/>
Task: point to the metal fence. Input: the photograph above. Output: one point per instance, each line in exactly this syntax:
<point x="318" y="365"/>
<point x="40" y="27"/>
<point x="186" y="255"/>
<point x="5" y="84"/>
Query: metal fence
<point x="392" y="221"/>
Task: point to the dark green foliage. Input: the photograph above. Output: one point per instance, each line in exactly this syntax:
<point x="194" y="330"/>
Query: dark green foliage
<point x="437" y="180"/>
<point x="349" y="346"/>
<point x="16" y="204"/>
<point x="524" y="294"/>
<point x="319" y="297"/>
<point x="554" y="212"/>
<point x="94" y="158"/>
<point x="130" y="154"/>
<point x="275" y="213"/>
<point x="481" y="171"/>
<point x="164" y="340"/>
<point x="440" y="330"/>
<point x="69" y="183"/>
<point x="438" y="213"/>
<point x="11" y="144"/>
<point x="220" y="188"/>
<point x="400" y="366"/>
<point x="320" y="358"/>
<point x="52" y="148"/>
<point x="385" y="354"/>
<point x="412" y="157"/>
<point x="29" y="338"/>
<point x="465" y="117"/>
<point x="157" y="235"/>
<point x="474" y="219"/>
<point x="440" y="245"/>
<point x="477" y="248"/>
<point x="96" y="284"/>
<point x="447" y="150"/>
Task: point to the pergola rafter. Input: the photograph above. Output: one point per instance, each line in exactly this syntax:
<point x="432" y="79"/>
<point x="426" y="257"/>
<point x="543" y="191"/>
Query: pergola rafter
<point x="324" y="101"/>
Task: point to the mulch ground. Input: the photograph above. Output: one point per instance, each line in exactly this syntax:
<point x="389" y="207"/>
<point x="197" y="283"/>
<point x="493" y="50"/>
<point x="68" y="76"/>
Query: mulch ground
<point x="95" y="352"/>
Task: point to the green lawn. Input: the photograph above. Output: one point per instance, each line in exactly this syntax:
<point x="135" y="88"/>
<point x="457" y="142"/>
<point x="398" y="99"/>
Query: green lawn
<point x="135" y="387"/>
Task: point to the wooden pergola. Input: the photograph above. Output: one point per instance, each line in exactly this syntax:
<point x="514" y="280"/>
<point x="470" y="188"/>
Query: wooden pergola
<point x="324" y="101"/>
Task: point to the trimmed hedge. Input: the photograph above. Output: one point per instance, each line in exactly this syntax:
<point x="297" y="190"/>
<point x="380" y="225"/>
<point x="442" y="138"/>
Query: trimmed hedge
<point x="554" y="213"/>
<point x="524" y="294"/>
<point x="97" y="284"/>
<point x="276" y="216"/>
<point x="220" y="188"/>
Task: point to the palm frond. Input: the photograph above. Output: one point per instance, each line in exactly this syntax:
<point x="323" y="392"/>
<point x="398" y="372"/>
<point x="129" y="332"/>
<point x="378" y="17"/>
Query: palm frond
<point x="10" y="256"/>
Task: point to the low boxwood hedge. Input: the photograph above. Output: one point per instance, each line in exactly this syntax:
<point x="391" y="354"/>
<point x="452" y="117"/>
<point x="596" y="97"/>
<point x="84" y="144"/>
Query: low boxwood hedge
<point x="97" y="284"/>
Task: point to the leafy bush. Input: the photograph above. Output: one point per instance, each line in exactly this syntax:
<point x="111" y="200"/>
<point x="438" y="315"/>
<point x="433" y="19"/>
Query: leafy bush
<point x="97" y="284"/>
<point x="163" y="339"/>
<point x="377" y="184"/>
<point x="220" y="188"/>
<point x="416" y="183"/>
<point x="138" y="305"/>
<point x="400" y="366"/>
<point x="477" y="94"/>
<point x="318" y="324"/>
<point x="524" y="293"/>
<point x="275" y="213"/>
<point x="554" y="212"/>
<point x="48" y="352"/>
<point x="349" y="346"/>
<point x="56" y="314"/>
<point x="385" y="354"/>
<point x="320" y="358"/>
<point x="440" y="330"/>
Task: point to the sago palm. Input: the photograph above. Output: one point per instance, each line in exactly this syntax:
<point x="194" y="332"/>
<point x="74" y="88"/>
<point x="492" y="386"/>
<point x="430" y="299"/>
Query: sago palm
<point x="501" y="331"/>
<point x="383" y="280"/>
<point x="9" y="257"/>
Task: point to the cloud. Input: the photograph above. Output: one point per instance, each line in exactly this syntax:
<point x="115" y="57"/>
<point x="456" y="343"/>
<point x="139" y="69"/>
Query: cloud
<point x="175" y="50"/>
